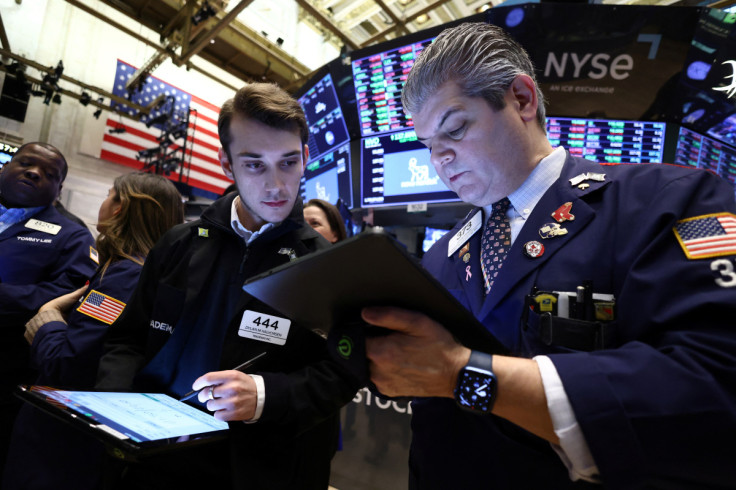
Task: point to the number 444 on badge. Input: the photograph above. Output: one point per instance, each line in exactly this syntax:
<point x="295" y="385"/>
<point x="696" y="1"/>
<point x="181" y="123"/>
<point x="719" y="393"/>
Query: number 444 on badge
<point x="264" y="328"/>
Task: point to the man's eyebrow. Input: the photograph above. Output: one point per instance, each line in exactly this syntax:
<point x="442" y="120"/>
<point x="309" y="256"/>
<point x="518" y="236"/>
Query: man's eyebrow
<point x="259" y="155"/>
<point x="449" y="112"/>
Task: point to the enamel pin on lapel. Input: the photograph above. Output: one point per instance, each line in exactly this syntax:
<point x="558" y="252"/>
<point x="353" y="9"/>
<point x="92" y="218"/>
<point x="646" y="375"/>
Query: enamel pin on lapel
<point x="533" y="249"/>
<point x="563" y="213"/>
<point x="551" y="230"/>
<point x="579" y="180"/>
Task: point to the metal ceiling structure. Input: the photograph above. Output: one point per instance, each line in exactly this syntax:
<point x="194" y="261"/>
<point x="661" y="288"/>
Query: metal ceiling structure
<point x="248" y="55"/>
<point x="211" y="30"/>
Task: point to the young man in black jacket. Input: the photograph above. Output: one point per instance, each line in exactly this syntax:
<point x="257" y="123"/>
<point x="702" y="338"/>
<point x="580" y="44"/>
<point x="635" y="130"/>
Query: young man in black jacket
<point x="189" y="322"/>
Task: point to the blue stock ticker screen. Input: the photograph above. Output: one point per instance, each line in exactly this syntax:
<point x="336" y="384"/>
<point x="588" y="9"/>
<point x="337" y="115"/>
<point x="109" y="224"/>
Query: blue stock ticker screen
<point x="327" y="174"/>
<point x="609" y="141"/>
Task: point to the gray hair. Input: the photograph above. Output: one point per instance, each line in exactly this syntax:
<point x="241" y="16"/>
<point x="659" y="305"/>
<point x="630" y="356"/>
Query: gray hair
<point x="482" y="58"/>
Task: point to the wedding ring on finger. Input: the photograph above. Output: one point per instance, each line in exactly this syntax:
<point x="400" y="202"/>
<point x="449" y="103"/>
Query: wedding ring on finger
<point x="211" y="394"/>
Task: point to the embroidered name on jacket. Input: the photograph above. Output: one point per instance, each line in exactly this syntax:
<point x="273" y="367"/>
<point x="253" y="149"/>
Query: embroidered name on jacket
<point x="164" y="327"/>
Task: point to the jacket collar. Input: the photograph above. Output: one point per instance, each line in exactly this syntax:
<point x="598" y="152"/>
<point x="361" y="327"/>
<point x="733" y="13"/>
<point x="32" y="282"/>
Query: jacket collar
<point x="517" y="265"/>
<point x="218" y="214"/>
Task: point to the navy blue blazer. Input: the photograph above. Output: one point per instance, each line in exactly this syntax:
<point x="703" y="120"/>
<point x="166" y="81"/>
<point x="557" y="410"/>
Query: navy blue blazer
<point x="656" y="399"/>
<point x="36" y="267"/>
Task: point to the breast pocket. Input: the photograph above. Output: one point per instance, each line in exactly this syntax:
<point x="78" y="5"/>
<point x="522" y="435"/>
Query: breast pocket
<point x="546" y="333"/>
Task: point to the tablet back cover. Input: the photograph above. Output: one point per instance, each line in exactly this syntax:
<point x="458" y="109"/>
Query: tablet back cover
<point x="329" y="287"/>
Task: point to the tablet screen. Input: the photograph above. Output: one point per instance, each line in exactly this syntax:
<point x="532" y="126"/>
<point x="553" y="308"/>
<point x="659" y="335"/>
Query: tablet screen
<point x="139" y="417"/>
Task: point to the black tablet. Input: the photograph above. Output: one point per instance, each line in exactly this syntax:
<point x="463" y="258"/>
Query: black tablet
<point x="331" y="286"/>
<point x="130" y="424"/>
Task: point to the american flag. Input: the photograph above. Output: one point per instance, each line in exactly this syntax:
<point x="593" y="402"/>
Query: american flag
<point x="101" y="307"/>
<point x="707" y="236"/>
<point x="203" y="171"/>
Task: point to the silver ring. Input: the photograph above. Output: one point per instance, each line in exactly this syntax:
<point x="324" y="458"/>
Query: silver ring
<point x="211" y="395"/>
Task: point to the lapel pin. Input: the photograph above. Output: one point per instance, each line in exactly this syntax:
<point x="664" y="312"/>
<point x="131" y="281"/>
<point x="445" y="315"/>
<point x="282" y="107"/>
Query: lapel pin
<point x="587" y="176"/>
<point x="551" y="230"/>
<point x="533" y="249"/>
<point x="466" y="258"/>
<point x="583" y="186"/>
<point x="289" y="252"/>
<point x="468" y="274"/>
<point x="465" y="248"/>
<point x="563" y="213"/>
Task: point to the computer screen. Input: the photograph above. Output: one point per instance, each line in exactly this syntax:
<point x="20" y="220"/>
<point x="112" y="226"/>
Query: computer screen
<point x="327" y="128"/>
<point x="327" y="175"/>
<point x="396" y="170"/>
<point x="697" y="150"/>
<point x="431" y="235"/>
<point x="379" y="80"/>
<point x="609" y="141"/>
<point x="395" y="167"/>
<point x="6" y="153"/>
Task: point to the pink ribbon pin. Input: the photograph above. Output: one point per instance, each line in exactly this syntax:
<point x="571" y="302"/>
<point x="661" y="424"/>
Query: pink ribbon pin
<point x="468" y="274"/>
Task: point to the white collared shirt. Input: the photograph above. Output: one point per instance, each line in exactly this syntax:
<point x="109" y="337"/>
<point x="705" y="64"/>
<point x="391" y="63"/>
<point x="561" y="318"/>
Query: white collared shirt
<point x="241" y="230"/>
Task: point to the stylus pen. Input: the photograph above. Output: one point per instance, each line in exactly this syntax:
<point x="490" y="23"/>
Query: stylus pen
<point x="239" y="367"/>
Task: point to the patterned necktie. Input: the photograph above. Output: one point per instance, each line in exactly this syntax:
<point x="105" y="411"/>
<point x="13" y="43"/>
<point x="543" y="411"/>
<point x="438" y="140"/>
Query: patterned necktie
<point x="496" y="242"/>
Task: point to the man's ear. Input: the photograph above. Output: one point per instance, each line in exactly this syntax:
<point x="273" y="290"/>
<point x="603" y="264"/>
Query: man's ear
<point x="524" y="92"/>
<point x="305" y="157"/>
<point x="58" y="192"/>
<point x="225" y="164"/>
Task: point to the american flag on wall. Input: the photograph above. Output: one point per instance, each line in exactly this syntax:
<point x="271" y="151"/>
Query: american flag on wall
<point x="201" y="167"/>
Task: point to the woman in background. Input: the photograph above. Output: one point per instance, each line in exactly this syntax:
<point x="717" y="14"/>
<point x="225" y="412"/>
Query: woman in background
<point x="325" y="219"/>
<point x="67" y="333"/>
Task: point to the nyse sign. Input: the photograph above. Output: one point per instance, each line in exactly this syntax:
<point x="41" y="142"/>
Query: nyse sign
<point x="608" y="62"/>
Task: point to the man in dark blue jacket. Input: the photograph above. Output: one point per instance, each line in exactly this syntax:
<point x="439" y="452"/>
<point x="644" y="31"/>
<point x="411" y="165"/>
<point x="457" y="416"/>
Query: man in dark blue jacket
<point x="189" y="323"/>
<point x="43" y="255"/>
<point x="613" y="288"/>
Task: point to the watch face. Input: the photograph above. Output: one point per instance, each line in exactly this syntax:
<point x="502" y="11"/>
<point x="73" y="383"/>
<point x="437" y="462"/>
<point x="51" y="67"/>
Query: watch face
<point x="475" y="390"/>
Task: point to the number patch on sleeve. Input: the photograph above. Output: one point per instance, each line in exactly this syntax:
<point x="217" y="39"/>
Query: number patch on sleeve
<point x="725" y="269"/>
<point x="264" y="328"/>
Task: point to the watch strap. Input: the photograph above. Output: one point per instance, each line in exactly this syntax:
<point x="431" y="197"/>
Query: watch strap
<point x="481" y="360"/>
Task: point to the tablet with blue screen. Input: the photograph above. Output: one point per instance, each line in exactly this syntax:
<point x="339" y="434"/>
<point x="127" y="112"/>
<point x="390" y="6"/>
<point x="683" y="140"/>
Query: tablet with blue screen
<point x="130" y="424"/>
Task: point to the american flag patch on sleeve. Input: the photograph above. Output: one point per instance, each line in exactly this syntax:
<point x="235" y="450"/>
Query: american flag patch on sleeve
<point x="102" y="307"/>
<point x="710" y="235"/>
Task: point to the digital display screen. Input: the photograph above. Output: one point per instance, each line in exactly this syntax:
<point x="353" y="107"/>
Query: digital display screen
<point x="608" y="141"/>
<point x="139" y="416"/>
<point x="395" y="170"/>
<point x="328" y="177"/>
<point x="6" y="153"/>
<point x="327" y="128"/>
<point x="379" y="80"/>
<point x="431" y="235"/>
<point x="696" y="150"/>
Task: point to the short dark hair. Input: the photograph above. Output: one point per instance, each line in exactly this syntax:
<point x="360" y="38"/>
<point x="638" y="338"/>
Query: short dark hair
<point x="334" y="218"/>
<point x="266" y="103"/>
<point x="52" y="149"/>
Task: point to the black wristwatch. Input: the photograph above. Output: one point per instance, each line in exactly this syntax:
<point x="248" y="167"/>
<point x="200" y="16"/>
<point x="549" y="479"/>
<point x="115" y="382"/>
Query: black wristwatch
<point x="476" y="384"/>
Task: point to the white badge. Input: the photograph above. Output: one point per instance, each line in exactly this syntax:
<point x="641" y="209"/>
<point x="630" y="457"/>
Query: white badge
<point x="43" y="226"/>
<point x="265" y="328"/>
<point x="464" y="234"/>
